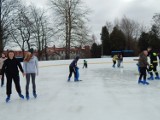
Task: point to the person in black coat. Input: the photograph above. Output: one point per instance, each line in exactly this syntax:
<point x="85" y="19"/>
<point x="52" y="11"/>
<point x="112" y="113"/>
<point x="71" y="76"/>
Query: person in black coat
<point x="153" y="63"/>
<point x="10" y="67"/>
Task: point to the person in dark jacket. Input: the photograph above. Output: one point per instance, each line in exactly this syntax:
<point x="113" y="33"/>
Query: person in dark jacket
<point x="10" y="67"/>
<point x="85" y="65"/>
<point x="143" y="67"/>
<point x="72" y="68"/>
<point x="153" y="64"/>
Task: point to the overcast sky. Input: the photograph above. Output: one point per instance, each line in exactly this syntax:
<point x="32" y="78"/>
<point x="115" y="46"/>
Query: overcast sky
<point x="108" y="10"/>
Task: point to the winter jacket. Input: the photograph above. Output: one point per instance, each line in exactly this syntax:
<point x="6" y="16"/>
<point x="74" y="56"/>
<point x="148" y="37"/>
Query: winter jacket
<point x="31" y="66"/>
<point x="74" y="63"/>
<point x="115" y="57"/>
<point x="10" y="67"/>
<point x="143" y="60"/>
<point x="153" y="57"/>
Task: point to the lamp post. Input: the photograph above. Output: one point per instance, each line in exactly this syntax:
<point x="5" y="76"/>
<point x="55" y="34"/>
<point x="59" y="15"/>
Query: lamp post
<point x="101" y="45"/>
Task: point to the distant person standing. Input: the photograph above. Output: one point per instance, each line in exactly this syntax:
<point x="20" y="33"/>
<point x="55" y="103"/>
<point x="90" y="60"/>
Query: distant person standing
<point x="143" y="67"/>
<point x="72" y="69"/>
<point x="85" y="65"/>
<point x="10" y="67"/>
<point x="2" y="59"/>
<point x="30" y="66"/>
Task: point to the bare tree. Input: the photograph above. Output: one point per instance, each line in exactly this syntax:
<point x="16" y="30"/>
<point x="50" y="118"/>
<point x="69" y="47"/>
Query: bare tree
<point x="69" y="16"/>
<point x="130" y="29"/>
<point x="7" y="12"/>
<point x="22" y="29"/>
<point x="156" y="20"/>
<point x="42" y="33"/>
<point x="109" y="26"/>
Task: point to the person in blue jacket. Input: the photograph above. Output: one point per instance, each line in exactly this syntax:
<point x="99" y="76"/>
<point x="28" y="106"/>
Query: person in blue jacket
<point x="72" y="69"/>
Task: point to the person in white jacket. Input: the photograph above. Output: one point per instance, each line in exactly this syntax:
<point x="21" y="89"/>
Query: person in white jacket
<point x="30" y="67"/>
<point x="2" y="59"/>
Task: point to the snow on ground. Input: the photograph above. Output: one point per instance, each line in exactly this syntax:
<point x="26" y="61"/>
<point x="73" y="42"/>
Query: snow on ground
<point x="105" y="93"/>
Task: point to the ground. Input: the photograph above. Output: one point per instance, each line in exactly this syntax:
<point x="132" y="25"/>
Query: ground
<point x="105" y="93"/>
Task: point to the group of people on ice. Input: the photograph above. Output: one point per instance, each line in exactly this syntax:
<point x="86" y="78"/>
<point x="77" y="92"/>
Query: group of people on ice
<point x="117" y="58"/>
<point x="144" y="66"/>
<point x="9" y="66"/>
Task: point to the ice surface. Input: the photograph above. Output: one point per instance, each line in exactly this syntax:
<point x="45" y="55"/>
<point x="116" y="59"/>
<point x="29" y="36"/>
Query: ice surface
<point x="105" y="93"/>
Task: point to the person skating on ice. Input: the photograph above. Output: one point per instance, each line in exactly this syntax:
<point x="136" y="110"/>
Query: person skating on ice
<point x="153" y="63"/>
<point x="30" y="66"/>
<point x="119" y="60"/>
<point x="10" y="67"/>
<point x="72" y="69"/>
<point x="143" y="67"/>
<point x="2" y="59"/>
<point x="114" y="59"/>
<point x="85" y="65"/>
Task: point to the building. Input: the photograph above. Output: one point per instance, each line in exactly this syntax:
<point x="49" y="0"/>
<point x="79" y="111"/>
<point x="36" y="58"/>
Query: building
<point x="54" y="53"/>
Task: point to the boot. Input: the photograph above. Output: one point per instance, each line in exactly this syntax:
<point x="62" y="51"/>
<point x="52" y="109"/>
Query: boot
<point x="140" y="81"/>
<point x="151" y="78"/>
<point x="35" y="95"/>
<point x="145" y="82"/>
<point x="27" y="96"/>
<point x="8" y="99"/>
<point x="21" y="96"/>
<point x="157" y="78"/>
<point x="75" y="80"/>
<point x="69" y="79"/>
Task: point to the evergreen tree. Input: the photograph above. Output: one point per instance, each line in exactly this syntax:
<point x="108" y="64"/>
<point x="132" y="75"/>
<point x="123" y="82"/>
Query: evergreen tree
<point x="95" y="51"/>
<point x="105" y="41"/>
<point x="143" y="41"/>
<point x="117" y="39"/>
<point x="154" y="40"/>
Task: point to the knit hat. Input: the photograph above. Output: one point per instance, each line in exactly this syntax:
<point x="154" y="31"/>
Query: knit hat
<point x="77" y="57"/>
<point x="31" y="50"/>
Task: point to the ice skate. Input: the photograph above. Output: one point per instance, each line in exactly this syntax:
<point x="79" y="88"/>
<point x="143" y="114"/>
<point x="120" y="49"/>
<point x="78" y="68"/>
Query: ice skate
<point x="21" y="96"/>
<point x="27" y="97"/>
<point x="35" y="95"/>
<point x="157" y="78"/>
<point x="140" y="82"/>
<point x="7" y="99"/>
<point x="151" y="78"/>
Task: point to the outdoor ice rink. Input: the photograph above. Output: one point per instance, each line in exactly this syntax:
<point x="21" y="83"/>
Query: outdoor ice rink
<point x="105" y="93"/>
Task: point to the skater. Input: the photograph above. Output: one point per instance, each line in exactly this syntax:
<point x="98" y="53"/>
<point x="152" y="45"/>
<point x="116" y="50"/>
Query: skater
<point x="2" y="59"/>
<point x="143" y="67"/>
<point x="115" y="57"/>
<point x="153" y="64"/>
<point x="85" y="64"/>
<point x="10" y="67"/>
<point x="72" y="69"/>
<point x="119" y="59"/>
<point x="30" y="66"/>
